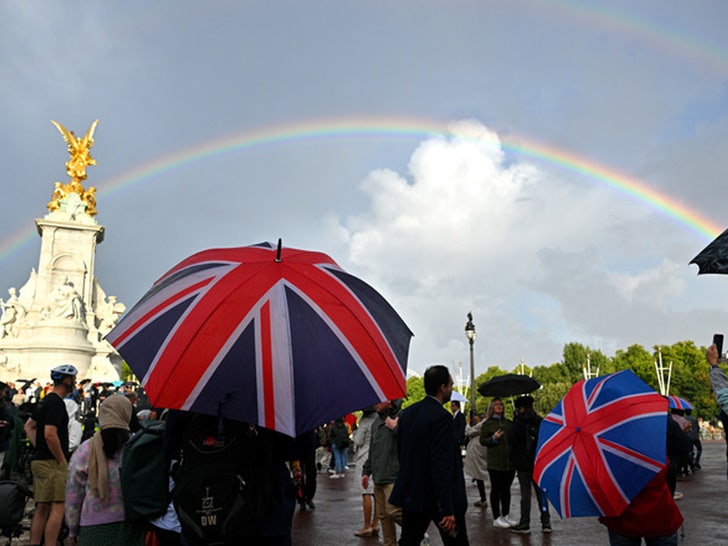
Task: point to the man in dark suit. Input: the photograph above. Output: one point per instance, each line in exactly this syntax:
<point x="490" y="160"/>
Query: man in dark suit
<point x="458" y="421"/>
<point x="430" y="485"/>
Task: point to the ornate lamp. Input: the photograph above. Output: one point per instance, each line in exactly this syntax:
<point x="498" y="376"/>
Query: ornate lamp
<point x="471" y="335"/>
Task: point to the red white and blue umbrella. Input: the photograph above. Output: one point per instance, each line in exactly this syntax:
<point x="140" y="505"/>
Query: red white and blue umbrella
<point x="601" y="445"/>
<point x="675" y="402"/>
<point x="279" y="337"/>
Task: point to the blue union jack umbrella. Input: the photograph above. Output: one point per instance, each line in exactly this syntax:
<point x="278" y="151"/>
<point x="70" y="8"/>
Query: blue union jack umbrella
<point x="279" y="337"/>
<point x="601" y="445"/>
<point x="675" y="402"/>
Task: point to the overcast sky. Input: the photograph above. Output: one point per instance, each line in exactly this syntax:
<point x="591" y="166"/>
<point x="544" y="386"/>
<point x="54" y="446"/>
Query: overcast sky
<point x="457" y="198"/>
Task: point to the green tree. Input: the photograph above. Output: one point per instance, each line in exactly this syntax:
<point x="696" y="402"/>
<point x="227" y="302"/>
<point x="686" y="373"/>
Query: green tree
<point x="639" y="360"/>
<point x="690" y="377"/>
<point x="575" y="359"/>
<point x="126" y="373"/>
<point x="549" y="395"/>
<point x="415" y="391"/>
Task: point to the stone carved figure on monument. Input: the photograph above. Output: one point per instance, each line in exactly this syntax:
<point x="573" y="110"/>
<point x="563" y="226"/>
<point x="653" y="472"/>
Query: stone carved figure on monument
<point x="80" y="151"/>
<point x="65" y="302"/>
<point x="73" y="206"/>
<point x="108" y="313"/>
<point x="7" y="366"/>
<point x="13" y="312"/>
<point x="26" y="294"/>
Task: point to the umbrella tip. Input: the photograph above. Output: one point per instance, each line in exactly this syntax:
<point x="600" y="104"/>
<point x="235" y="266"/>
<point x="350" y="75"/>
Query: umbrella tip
<point x="278" y="251"/>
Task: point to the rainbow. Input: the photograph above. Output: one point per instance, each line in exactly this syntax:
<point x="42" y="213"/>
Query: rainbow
<point x="339" y="128"/>
<point x="661" y="39"/>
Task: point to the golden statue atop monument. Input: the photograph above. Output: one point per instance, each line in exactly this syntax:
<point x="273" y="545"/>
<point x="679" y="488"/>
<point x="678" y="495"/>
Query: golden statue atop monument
<point x="79" y="150"/>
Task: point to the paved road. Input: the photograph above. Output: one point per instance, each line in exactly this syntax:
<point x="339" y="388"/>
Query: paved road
<point x="338" y="514"/>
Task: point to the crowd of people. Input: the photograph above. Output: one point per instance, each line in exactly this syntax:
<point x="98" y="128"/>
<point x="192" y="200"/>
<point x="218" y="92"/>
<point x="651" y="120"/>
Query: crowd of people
<point x="410" y="466"/>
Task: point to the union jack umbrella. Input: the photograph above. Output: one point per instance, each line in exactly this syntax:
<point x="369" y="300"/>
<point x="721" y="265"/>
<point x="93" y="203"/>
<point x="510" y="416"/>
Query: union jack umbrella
<point x="601" y="445"/>
<point x="675" y="402"/>
<point x="279" y="337"/>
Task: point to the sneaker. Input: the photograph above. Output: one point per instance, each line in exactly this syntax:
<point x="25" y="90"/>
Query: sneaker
<point x="677" y="495"/>
<point x="501" y="523"/>
<point x="546" y="528"/>
<point x="334" y="476"/>
<point x="311" y="505"/>
<point x="521" y="528"/>
<point x="509" y="520"/>
<point x="482" y="504"/>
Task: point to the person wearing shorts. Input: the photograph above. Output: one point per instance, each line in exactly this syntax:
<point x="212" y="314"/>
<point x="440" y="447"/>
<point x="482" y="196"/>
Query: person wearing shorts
<point x="48" y="431"/>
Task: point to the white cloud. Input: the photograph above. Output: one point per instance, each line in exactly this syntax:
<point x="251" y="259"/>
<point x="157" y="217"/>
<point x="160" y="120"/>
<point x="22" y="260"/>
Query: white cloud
<point x="539" y="259"/>
<point x="655" y="286"/>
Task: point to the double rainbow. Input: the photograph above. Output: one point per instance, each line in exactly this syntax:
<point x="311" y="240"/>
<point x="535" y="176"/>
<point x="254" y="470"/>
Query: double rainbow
<point x="350" y="128"/>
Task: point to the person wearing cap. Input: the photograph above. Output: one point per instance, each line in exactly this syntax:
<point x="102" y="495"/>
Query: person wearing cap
<point x="523" y="438"/>
<point x="48" y="432"/>
<point x="94" y="504"/>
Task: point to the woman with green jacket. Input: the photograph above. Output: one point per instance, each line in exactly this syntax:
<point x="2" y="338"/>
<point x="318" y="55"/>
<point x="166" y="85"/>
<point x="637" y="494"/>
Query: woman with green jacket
<point x="494" y="435"/>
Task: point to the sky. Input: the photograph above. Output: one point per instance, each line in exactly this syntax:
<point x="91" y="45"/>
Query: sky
<point x="550" y="166"/>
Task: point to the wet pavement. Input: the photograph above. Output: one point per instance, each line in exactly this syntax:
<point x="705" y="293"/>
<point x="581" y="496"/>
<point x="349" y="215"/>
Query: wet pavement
<point x="338" y="514"/>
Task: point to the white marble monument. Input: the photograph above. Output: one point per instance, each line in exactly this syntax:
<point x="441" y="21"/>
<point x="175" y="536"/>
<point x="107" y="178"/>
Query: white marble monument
<point x="60" y="315"/>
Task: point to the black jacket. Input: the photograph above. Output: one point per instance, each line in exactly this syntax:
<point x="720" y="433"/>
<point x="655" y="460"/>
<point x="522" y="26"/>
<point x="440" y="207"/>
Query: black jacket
<point x="458" y="422"/>
<point x="523" y="437"/>
<point x="430" y="479"/>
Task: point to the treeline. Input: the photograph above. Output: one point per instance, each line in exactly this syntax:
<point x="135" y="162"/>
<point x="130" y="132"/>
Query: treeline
<point x="689" y="377"/>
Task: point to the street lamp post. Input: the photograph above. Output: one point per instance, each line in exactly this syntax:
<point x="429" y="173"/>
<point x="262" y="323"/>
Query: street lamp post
<point x="471" y="335"/>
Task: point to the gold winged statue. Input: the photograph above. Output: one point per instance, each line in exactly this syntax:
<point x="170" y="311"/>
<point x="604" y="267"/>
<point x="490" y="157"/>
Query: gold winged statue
<point x="79" y="150"/>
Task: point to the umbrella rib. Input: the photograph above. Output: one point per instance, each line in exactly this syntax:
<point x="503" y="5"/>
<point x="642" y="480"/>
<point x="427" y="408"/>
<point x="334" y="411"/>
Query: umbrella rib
<point x="344" y="340"/>
<point x="601" y="491"/>
<point x="632" y="455"/>
<point x="380" y="342"/>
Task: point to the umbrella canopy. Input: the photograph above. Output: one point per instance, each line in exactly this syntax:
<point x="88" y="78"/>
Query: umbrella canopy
<point x="280" y="337"/>
<point x="457" y="397"/>
<point x="714" y="257"/>
<point x="601" y="445"/>
<point x="510" y="384"/>
<point x="675" y="402"/>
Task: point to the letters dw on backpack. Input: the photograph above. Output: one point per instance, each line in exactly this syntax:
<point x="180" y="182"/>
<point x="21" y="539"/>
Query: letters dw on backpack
<point x="223" y="482"/>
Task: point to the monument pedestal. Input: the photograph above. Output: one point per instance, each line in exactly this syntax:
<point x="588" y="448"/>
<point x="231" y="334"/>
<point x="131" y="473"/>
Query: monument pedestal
<point x="61" y="313"/>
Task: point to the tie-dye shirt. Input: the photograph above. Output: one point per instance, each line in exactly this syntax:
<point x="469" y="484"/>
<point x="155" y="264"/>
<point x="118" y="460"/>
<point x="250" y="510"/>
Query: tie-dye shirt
<point x="83" y="507"/>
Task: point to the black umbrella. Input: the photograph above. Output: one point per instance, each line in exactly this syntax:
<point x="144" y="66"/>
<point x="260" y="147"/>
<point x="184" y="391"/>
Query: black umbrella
<point x="26" y="383"/>
<point x="510" y="384"/>
<point x="714" y="257"/>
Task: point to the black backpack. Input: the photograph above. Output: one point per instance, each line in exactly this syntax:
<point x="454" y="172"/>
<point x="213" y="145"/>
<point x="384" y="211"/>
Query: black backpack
<point x="13" y="497"/>
<point x="145" y="473"/>
<point x="224" y="482"/>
